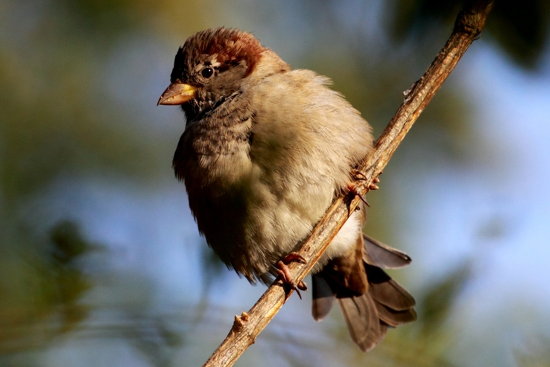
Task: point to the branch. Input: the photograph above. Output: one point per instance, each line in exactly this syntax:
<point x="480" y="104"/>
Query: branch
<point x="248" y="325"/>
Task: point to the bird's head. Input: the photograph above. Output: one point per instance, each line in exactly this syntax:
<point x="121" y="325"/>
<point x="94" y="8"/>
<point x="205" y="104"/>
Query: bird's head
<point x="210" y="67"/>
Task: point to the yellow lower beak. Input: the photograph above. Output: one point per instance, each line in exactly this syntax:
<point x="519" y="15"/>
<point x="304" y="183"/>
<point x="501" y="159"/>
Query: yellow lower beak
<point x="177" y="93"/>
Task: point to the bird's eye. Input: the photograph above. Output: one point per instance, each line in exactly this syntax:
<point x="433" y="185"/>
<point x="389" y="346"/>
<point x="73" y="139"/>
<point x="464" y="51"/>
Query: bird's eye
<point x="207" y="72"/>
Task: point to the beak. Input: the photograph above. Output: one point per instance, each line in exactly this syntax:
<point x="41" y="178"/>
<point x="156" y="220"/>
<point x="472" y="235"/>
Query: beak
<point x="177" y="93"/>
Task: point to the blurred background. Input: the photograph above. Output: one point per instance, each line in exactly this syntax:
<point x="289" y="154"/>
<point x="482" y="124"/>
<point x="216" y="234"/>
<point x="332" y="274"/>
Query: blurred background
<point x="101" y="263"/>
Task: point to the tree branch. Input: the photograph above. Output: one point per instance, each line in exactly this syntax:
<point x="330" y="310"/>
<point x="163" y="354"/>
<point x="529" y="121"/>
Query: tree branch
<point x="248" y="325"/>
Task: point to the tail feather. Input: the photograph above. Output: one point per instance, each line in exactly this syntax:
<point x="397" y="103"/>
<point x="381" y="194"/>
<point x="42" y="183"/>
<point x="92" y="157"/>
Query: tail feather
<point x="323" y="297"/>
<point x="387" y="291"/>
<point x="393" y="317"/>
<point x="379" y="254"/>
<point x="371" y="309"/>
<point x="364" y="326"/>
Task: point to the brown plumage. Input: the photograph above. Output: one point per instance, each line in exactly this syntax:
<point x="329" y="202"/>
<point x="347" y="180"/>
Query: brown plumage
<point x="264" y="151"/>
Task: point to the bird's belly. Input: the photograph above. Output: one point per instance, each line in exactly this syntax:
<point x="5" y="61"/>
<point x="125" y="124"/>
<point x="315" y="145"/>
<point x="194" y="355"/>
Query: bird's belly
<point x="247" y="224"/>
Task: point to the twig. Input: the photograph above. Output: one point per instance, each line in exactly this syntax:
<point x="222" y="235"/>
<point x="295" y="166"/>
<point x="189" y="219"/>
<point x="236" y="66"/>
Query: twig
<point x="248" y="325"/>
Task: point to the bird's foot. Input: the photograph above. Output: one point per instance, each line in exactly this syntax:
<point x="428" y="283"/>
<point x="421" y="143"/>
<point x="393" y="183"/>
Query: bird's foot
<point x="352" y="191"/>
<point x="360" y="176"/>
<point x="352" y="188"/>
<point x="284" y="273"/>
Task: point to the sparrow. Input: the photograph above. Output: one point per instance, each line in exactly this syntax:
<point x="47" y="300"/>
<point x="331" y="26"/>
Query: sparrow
<point x="264" y="152"/>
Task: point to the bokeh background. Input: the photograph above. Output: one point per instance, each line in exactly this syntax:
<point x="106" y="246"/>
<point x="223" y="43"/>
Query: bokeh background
<point x="100" y="260"/>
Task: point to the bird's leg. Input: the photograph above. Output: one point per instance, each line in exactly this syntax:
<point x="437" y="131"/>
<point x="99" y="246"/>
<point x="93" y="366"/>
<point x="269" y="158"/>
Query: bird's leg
<point x="284" y="273"/>
<point x="360" y="176"/>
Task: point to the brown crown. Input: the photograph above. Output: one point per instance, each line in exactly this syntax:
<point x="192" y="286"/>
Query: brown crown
<point x="230" y="45"/>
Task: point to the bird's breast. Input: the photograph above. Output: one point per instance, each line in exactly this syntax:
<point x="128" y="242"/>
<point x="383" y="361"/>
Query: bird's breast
<point x="215" y="149"/>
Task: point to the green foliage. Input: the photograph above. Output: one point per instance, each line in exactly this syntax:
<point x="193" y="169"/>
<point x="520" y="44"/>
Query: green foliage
<point x="42" y="290"/>
<point x="519" y="29"/>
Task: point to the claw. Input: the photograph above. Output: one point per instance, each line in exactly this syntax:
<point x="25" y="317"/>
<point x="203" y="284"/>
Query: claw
<point x="284" y="273"/>
<point x="373" y="185"/>
<point x="293" y="257"/>
<point x="352" y="189"/>
<point x="358" y="175"/>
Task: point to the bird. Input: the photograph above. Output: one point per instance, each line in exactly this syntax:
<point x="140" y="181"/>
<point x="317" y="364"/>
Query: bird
<point x="265" y="150"/>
